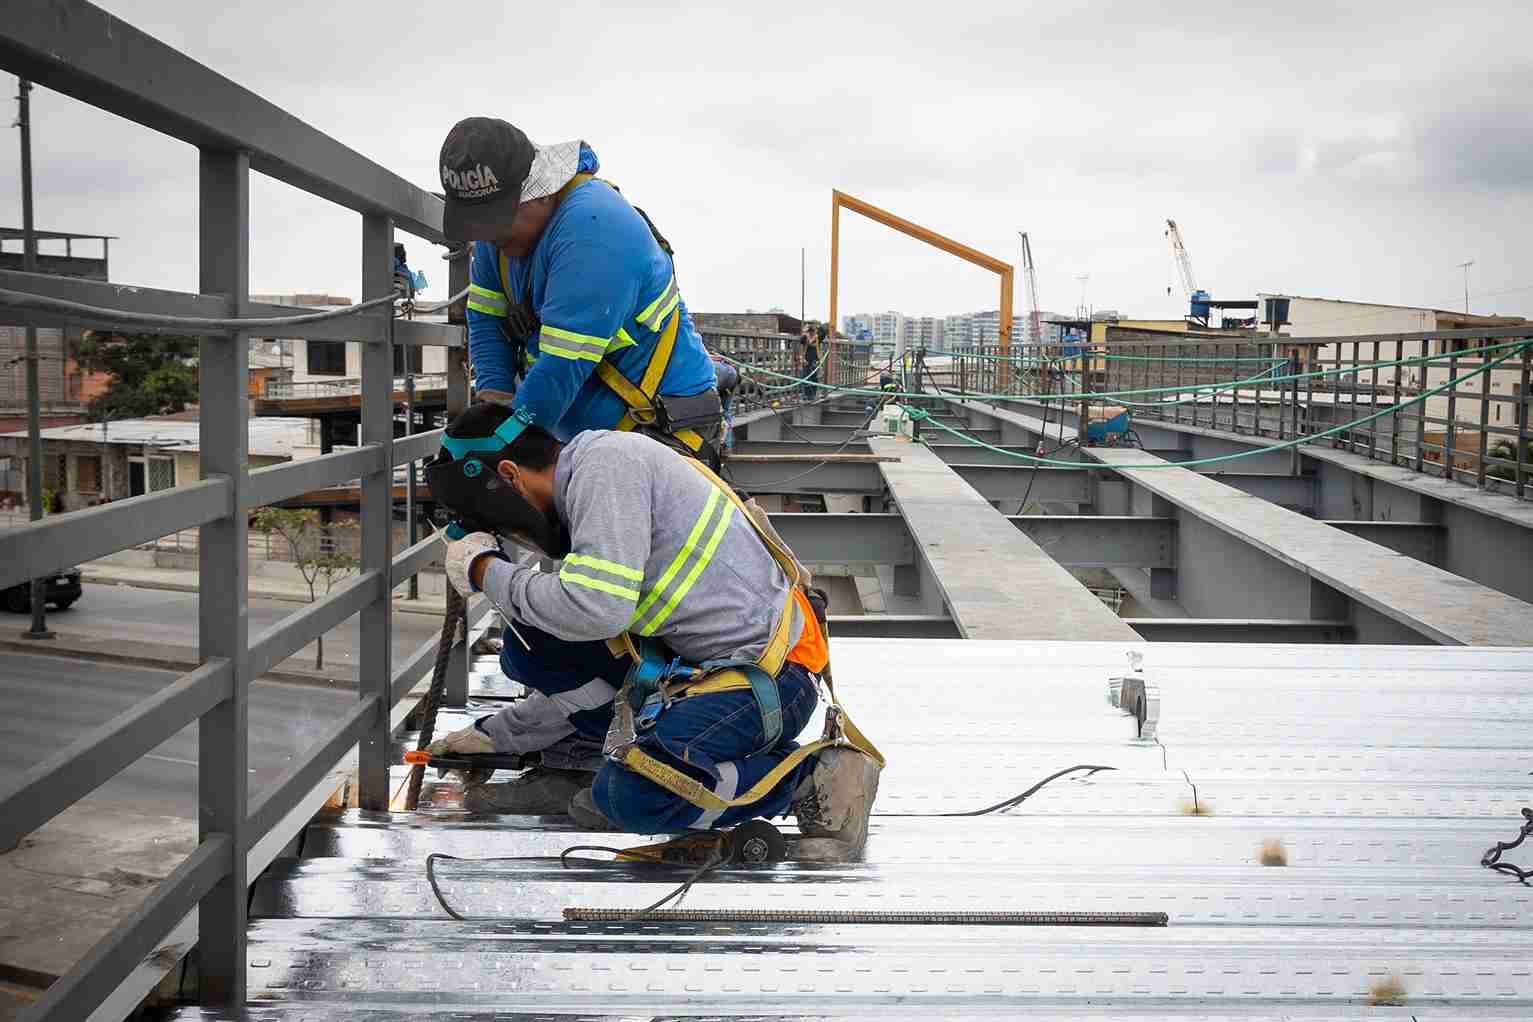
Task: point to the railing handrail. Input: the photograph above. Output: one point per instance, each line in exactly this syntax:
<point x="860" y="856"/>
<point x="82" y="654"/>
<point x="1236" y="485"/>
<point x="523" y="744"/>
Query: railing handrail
<point x="79" y="50"/>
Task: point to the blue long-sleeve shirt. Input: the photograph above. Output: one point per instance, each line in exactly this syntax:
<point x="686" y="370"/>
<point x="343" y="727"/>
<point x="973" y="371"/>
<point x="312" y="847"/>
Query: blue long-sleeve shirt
<point x="603" y="289"/>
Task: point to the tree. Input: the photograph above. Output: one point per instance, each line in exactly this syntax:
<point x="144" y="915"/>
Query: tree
<point x="314" y="552"/>
<point x="152" y="374"/>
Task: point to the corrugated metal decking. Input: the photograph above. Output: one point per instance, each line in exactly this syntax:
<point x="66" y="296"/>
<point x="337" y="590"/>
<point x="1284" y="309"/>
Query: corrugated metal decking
<point x="1384" y="772"/>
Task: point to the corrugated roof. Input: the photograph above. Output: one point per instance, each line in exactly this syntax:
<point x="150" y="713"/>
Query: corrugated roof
<point x="269" y="436"/>
<point x="1378" y="775"/>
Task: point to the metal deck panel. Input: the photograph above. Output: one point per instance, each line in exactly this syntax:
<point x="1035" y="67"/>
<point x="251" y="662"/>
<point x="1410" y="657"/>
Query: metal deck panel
<point x="1385" y="772"/>
<point x="982" y="564"/>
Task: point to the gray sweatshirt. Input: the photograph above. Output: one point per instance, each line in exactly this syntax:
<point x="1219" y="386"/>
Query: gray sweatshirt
<point x="656" y="549"/>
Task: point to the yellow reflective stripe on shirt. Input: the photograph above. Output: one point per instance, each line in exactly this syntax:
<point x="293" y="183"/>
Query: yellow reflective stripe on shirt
<point x="601" y="585"/>
<point x="482" y="299"/>
<point x="569" y="344"/>
<point x="681" y="557"/>
<point x="697" y="569"/>
<point x="647" y="318"/>
<point x="610" y="567"/>
<point x="667" y="309"/>
<point x="621" y="340"/>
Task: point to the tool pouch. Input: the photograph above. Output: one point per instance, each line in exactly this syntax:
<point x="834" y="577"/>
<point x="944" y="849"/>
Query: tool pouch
<point x="701" y="412"/>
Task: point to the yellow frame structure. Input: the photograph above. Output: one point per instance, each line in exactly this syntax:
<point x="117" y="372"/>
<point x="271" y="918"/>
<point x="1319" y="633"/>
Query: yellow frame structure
<point x="1005" y="270"/>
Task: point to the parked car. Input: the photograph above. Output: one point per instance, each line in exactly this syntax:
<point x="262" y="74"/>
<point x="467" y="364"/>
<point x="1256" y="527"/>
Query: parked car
<point x="63" y="590"/>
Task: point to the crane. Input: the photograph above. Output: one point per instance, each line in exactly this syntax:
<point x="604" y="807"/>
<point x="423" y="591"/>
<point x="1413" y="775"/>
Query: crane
<point x="1196" y="295"/>
<point x="1030" y="276"/>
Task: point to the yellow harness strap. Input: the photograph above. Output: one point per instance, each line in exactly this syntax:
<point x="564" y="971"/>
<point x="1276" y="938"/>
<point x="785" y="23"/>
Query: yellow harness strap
<point x="839" y="729"/>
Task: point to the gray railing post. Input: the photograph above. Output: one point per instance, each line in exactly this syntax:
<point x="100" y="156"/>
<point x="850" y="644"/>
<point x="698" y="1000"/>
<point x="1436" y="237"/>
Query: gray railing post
<point x="377" y="498"/>
<point x="377" y="511"/>
<point x="456" y="693"/>
<point x="223" y="568"/>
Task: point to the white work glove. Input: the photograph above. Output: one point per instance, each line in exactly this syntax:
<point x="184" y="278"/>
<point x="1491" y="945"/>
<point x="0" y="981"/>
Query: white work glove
<point x="461" y="555"/>
<point x="467" y="741"/>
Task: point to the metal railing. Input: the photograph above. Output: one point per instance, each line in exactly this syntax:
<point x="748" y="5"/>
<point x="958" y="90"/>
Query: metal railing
<point x="82" y="51"/>
<point x="1451" y="403"/>
<point x="279" y="390"/>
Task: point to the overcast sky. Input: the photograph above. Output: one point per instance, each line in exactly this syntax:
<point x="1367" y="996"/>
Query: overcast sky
<point x="1359" y="152"/>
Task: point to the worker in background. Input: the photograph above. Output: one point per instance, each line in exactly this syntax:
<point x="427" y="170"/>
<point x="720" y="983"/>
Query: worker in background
<point x="574" y="313"/>
<point x="812" y="340"/>
<point x="657" y="551"/>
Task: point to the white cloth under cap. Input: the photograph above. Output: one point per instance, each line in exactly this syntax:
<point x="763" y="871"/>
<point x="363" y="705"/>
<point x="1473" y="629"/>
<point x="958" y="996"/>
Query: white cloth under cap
<point x="552" y="168"/>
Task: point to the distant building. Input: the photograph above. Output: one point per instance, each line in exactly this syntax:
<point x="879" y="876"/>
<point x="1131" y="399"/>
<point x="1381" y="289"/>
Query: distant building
<point x="329" y="361"/>
<point x="775" y="322"/>
<point x="925" y="332"/>
<point x="90" y="462"/>
<point x="858" y="327"/>
<point x="64" y="388"/>
<point x="887" y="328"/>
<point x="1331" y="317"/>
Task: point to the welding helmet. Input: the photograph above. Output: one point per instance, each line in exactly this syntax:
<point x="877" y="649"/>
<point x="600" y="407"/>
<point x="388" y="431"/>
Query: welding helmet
<point x="464" y="479"/>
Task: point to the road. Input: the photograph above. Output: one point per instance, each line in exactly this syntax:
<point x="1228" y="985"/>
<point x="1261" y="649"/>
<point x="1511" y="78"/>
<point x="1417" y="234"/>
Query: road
<point x="47" y="701"/>
<point x="82" y="873"/>
<point x="170" y="618"/>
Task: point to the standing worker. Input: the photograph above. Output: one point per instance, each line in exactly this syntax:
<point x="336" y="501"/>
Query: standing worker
<point x="573" y="291"/>
<point x="662" y="561"/>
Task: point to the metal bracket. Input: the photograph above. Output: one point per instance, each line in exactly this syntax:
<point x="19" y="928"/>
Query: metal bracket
<point x="1139" y="699"/>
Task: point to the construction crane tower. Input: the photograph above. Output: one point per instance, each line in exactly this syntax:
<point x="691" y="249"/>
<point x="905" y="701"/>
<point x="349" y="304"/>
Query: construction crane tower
<point x="1035" y="318"/>
<point x="1195" y="295"/>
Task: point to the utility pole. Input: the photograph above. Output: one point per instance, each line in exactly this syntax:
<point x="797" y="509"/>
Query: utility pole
<point x="39" y="629"/>
<point x="1465" y="268"/>
<point x="803" y="263"/>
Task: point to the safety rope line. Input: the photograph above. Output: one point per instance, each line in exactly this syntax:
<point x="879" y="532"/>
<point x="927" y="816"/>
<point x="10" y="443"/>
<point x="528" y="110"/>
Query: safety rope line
<point x="1025" y="359"/>
<point x="26" y="300"/>
<point x="920" y="414"/>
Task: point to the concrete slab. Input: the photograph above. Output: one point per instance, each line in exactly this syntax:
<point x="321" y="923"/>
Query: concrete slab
<point x="997" y="583"/>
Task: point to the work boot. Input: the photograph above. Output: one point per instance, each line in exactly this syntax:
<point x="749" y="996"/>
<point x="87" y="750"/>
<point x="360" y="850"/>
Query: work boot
<point x="832" y="805"/>
<point x="582" y="809"/>
<point x="541" y="791"/>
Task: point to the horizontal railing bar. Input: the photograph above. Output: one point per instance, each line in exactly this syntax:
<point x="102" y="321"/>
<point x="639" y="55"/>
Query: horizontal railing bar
<point x="71" y="773"/>
<point x="60" y="542"/>
<point x="413" y="559"/>
<point x="893" y="626"/>
<point x="409" y="672"/>
<point x="425" y="333"/>
<point x="309" y="767"/>
<point x="79" y="50"/>
<point x="421" y="657"/>
<point x="298" y="629"/>
<point x="119" y="952"/>
<point x="421" y="445"/>
<point x="360" y="327"/>
<point x="290" y="479"/>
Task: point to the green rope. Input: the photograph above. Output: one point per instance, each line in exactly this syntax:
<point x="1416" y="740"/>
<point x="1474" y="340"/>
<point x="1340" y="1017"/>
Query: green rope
<point x="1180" y="389"/>
<point x="917" y="413"/>
<point x="1096" y="353"/>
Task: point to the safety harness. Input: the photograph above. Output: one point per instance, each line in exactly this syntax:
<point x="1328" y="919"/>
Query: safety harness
<point x="644" y="409"/>
<point x="655" y="681"/>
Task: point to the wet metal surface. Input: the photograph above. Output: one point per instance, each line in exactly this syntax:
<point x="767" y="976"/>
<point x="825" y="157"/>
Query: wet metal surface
<point x="1378" y="774"/>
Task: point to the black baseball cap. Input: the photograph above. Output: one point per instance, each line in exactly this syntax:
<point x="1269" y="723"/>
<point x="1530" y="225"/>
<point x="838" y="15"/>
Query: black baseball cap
<point x="484" y="162"/>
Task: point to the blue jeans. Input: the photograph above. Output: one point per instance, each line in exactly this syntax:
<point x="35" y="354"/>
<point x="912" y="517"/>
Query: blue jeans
<point x="714" y="739"/>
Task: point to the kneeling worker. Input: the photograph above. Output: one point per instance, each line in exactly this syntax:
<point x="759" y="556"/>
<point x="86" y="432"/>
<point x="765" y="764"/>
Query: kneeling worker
<point x="727" y="650"/>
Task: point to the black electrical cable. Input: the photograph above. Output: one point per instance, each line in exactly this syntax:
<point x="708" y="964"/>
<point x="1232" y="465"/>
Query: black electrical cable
<point x="1009" y="803"/>
<point x="1492" y="858"/>
<point x="720" y="857"/>
<point x="853" y="436"/>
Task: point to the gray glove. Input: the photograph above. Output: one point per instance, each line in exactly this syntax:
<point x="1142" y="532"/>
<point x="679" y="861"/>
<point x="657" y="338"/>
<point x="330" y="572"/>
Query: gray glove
<point x="461" y="555"/>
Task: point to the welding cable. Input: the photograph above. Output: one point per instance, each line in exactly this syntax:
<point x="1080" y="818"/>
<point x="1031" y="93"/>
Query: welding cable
<point x="1010" y="803"/>
<point x="1492" y="858"/>
<point x="24" y="300"/>
<point x="1268" y="449"/>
